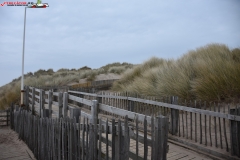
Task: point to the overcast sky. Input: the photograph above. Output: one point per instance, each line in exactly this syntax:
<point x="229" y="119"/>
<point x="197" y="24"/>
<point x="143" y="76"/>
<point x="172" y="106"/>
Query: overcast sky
<point x="77" y="33"/>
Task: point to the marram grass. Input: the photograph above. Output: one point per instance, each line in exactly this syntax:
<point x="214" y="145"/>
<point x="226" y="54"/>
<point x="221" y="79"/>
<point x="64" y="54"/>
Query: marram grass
<point x="209" y="73"/>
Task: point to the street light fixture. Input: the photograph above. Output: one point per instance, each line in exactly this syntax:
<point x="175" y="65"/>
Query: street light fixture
<point x="39" y="4"/>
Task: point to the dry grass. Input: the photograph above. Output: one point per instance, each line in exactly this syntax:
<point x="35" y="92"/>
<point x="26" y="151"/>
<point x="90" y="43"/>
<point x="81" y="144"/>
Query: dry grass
<point x="209" y="73"/>
<point x="10" y="93"/>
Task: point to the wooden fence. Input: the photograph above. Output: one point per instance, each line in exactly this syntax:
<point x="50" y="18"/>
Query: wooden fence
<point x="196" y="124"/>
<point x="137" y="130"/>
<point x="4" y="117"/>
<point x="212" y="128"/>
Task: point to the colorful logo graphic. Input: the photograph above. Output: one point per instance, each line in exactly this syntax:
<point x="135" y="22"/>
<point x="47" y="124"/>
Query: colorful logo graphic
<point x="39" y="4"/>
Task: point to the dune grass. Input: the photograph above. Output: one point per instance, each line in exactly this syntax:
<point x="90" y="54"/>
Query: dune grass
<point x="10" y="93"/>
<point x="209" y="73"/>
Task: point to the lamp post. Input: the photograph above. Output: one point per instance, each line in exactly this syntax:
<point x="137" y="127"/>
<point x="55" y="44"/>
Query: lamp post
<point x="32" y="5"/>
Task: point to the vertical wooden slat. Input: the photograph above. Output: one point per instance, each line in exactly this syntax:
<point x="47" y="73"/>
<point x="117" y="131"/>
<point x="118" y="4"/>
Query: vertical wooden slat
<point x="210" y="135"/>
<point x="215" y="126"/>
<point x="191" y="128"/>
<point x="100" y="140"/>
<point x="225" y="134"/>
<point x="220" y="131"/>
<point x="137" y="154"/>
<point x="113" y="138"/>
<point x="59" y="138"/>
<point x="152" y="138"/>
<point x="200" y="119"/>
<point x="50" y="94"/>
<point x="126" y="140"/>
<point x="205" y="124"/>
<point x="87" y="139"/>
<point x="145" y="139"/>
<point x="186" y="124"/>
<point x="63" y="139"/>
<point x="195" y="105"/>
<point x="107" y="141"/>
<point x="33" y="100"/>
<point x="83" y="139"/>
<point x="74" y="139"/>
<point x="60" y="104"/>
<point x="119" y="140"/>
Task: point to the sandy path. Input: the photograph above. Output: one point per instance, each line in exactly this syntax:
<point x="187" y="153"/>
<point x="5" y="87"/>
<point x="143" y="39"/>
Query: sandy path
<point x="11" y="148"/>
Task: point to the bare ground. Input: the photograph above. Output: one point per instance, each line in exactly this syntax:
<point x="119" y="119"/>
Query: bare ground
<point x="11" y="148"/>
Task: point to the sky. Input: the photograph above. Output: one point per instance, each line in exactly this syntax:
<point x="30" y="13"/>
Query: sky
<point x="76" y="33"/>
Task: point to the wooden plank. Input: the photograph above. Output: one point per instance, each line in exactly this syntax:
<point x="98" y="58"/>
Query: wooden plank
<point x="107" y="148"/>
<point x="152" y="139"/>
<point x="87" y="139"/>
<point x="225" y="134"/>
<point x="100" y="140"/>
<point x="205" y="123"/>
<point x="188" y="109"/>
<point x="145" y="139"/>
<point x="63" y="139"/>
<point x="119" y="132"/>
<point x="60" y="104"/>
<point x="195" y="122"/>
<point x="83" y="93"/>
<point x="215" y="127"/>
<point x="65" y="104"/>
<point x="83" y="139"/>
<point x="126" y="139"/>
<point x="113" y="138"/>
<point x="50" y="103"/>
<point x="122" y="112"/>
<point x="220" y="131"/>
<point x="80" y="100"/>
<point x="137" y="153"/>
<point x="191" y="127"/>
<point x="210" y="123"/>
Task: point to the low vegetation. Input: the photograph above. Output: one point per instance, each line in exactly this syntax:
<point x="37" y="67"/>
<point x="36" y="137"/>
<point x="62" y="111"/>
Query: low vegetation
<point x="10" y="93"/>
<point x="209" y="73"/>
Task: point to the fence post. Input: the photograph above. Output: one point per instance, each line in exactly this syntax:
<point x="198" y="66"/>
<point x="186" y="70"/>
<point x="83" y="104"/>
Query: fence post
<point x="174" y="117"/>
<point x="7" y="115"/>
<point x="235" y="133"/>
<point x="161" y="137"/>
<point x="50" y="94"/>
<point x="33" y="100"/>
<point x="60" y="104"/>
<point x="12" y="116"/>
<point x="94" y="113"/>
<point x="42" y="102"/>
<point x="26" y="97"/>
<point x="65" y="104"/>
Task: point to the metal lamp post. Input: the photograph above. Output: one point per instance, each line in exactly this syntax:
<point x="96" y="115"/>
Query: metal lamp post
<point x="32" y="5"/>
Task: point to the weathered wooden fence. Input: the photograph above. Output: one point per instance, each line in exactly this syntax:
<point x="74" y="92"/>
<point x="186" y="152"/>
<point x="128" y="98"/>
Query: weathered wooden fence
<point x="137" y="130"/>
<point x="4" y="117"/>
<point x="196" y="124"/>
